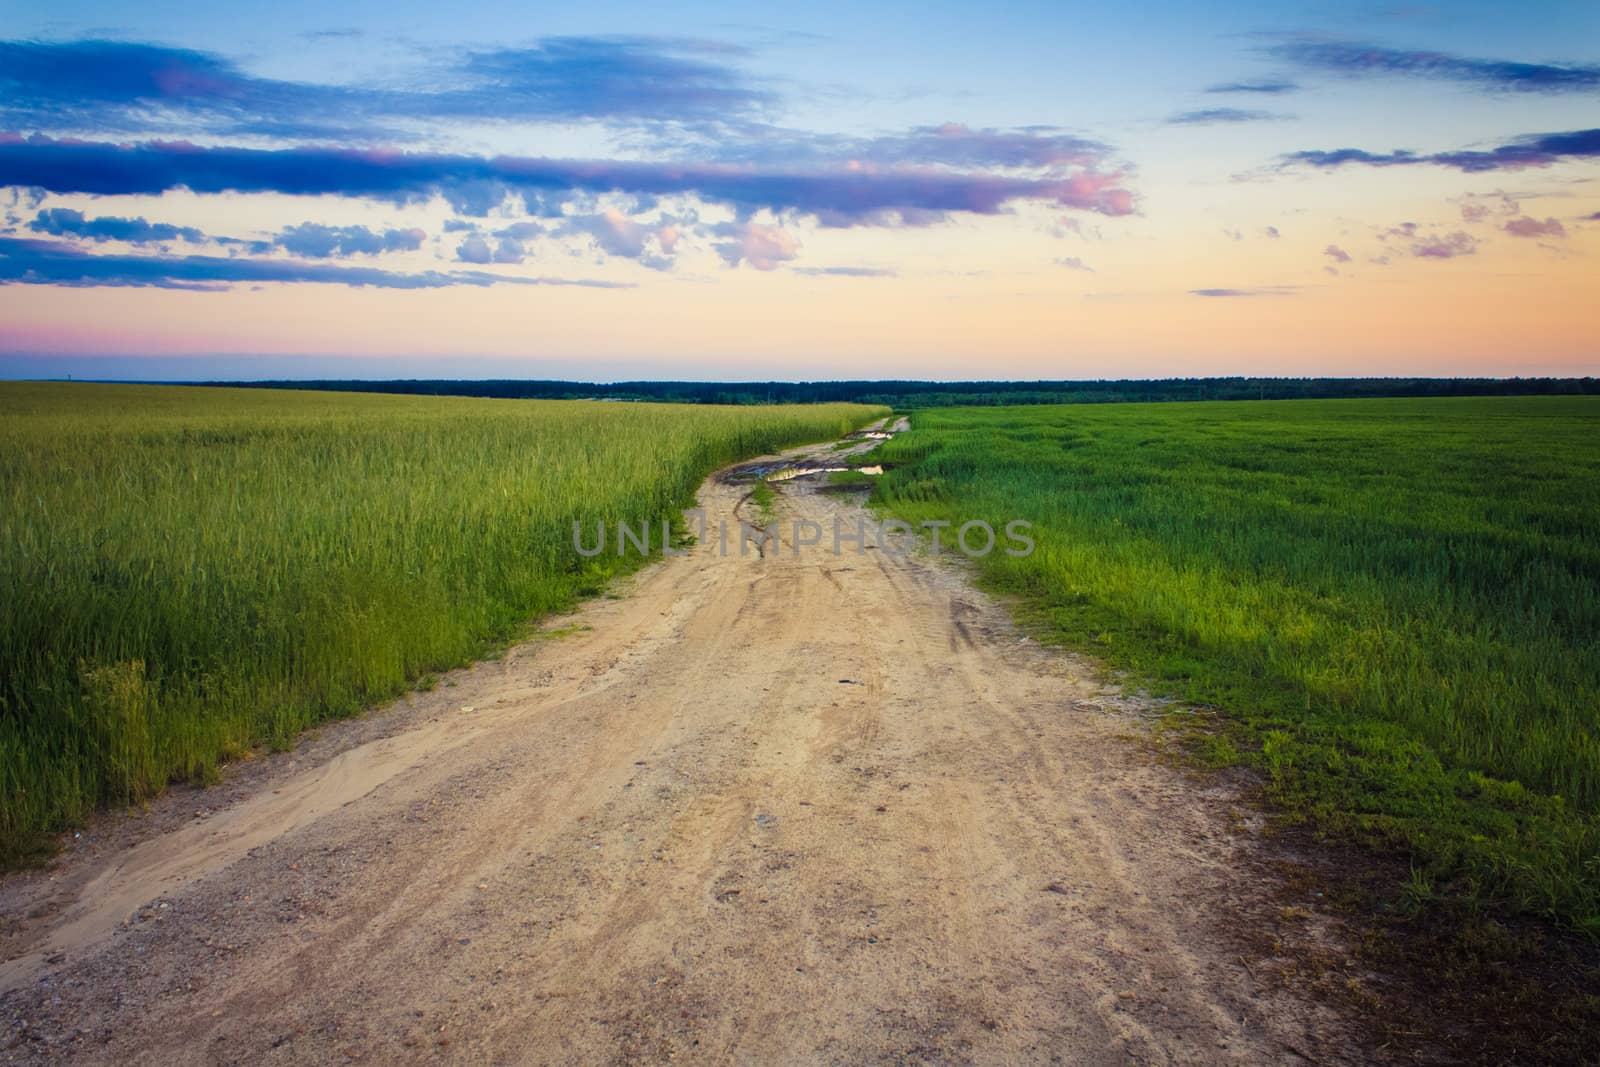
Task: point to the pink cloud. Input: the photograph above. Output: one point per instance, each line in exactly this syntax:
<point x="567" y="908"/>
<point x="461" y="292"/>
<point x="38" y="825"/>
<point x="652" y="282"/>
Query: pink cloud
<point x="1434" y="246"/>
<point x="1476" y="208"/>
<point x="763" y="247"/>
<point x="1531" y="227"/>
<point x="1093" y="191"/>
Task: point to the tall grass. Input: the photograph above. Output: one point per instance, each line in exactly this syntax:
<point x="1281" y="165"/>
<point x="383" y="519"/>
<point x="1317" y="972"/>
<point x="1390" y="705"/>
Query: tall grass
<point x="187" y="573"/>
<point x="1398" y="601"/>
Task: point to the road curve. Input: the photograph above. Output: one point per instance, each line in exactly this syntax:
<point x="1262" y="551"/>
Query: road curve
<point x="794" y="807"/>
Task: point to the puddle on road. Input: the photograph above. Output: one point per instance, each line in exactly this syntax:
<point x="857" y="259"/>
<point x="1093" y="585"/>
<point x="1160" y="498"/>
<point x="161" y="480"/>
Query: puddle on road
<point x="783" y="471"/>
<point x="786" y="473"/>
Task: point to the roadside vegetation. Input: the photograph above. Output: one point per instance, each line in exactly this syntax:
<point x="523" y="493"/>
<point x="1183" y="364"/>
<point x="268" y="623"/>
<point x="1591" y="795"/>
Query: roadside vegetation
<point x="186" y="573"/>
<point x="1391" y="608"/>
<point x="850" y="478"/>
<point x="765" y="501"/>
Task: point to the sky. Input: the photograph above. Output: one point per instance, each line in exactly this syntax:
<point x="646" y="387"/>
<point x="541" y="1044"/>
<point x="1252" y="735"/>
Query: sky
<point x="710" y="190"/>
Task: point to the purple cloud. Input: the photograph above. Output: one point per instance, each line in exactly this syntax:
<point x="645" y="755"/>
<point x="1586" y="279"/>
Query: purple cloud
<point x="1534" y="150"/>
<point x="315" y="241"/>
<point x="1268" y="290"/>
<point x="656" y="78"/>
<point x="1344" y="57"/>
<point x="1448" y="246"/>
<point x="474" y="250"/>
<point x="951" y="144"/>
<point x="1531" y="227"/>
<point x="509" y="250"/>
<point x="66" y="222"/>
<point x="112" y="85"/>
<point x="1476" y="208"/>
<point x="1214" y="116"/>
<point x="763" y="247"/>
<point x="31" y="262"/>
<point x="474" y="184"/>
<point x="1337" y="254"/>
<point x="1073" y="263"/>
<point x="521" y="231"/>
<point x="843" y="272"/>
<point x="615" y="233"/>
<point x="611" y="231"/>
<point x="1268" y="86"/>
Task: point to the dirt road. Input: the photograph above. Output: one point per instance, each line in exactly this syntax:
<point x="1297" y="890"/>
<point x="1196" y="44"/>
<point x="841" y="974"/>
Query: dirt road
<point x="781" y="808"/>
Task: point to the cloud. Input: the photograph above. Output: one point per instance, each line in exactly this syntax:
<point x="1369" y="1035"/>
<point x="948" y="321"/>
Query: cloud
<point x="763" y="247"/>
<point x="518" y="231"/>
<point x="950" y="144"/>
<point x="1531" y="227"/>
<point x="1271" y="231"/>
<point x="1449" y="246"/>
<point x="66" y="222"/>
<point x="844" y="272"/>
<point x="474" y="185"/>
<point x="1478" y="207"/>
<point x="1073" y="263"/>
<point x="315" y="241"/>
<point x="1268" y="290"/>
<point x="1337" y="254"/>
<point x="128" y="87"/>
<point x="605" y="78"/>
<point x="1429" y="245"/>
<point x="1592" y="218"/>
<point x="509" y="250"/>
<point x="474" y="250"/>
<point x="1346" y="57"/>
<point x="1533" y="150"/>
<point x="1270" y="86"/>
<point x="1213" y="116"/>
<point x="611" y="230"/>
<point x="32" y="262"/>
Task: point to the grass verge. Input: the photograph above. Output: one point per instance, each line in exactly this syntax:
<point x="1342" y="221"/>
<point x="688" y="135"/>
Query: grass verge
<point x="186" y="574"/>
<point x="1386" y="608"/>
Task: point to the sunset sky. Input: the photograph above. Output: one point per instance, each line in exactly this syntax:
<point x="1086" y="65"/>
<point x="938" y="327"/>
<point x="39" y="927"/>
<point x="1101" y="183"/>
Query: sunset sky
<point x="799" y="191"/>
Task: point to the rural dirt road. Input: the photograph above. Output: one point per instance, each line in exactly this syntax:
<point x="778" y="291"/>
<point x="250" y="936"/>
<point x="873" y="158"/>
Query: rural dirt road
<point x="813" y="808"/>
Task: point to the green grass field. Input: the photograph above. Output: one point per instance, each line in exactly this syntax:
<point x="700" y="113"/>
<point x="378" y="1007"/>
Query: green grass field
<point x="1395" y="603"/>
<point x="188" y="573"/>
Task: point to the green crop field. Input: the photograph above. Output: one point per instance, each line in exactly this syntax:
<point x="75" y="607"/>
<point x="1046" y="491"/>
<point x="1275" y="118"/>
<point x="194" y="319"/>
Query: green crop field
<point x="1394" y="603"/>
<point x="187" y="573"/>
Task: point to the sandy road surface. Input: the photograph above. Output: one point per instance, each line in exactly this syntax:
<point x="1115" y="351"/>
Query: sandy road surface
<point x="813" y="808"/>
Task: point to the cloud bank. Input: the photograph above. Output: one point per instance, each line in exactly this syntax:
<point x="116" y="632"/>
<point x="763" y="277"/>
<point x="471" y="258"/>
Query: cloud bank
<point x="30" y="262"/>
<point x="474" y="185"/>
<point x="1365" y="60"/>
<point x="1214" y="116"/>
<point x="116" y="86"/>
<point x="1532" y="150"/>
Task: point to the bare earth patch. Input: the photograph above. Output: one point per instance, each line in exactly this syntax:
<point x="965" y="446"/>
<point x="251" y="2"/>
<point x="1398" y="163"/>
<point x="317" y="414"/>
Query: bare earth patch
<point x="803" y="807"/>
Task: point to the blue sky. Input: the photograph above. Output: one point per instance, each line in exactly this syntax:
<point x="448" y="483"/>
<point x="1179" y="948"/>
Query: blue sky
<point x="946" y="190"/>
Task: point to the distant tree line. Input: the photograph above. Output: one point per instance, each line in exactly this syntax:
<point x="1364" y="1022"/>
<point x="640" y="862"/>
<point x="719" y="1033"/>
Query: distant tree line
<point x="917" y="394"/>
